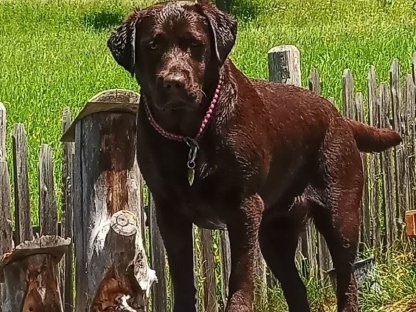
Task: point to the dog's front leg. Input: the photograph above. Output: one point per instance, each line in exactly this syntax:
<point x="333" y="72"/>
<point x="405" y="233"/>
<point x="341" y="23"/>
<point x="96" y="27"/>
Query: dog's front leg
<point x="176" y="233"/>
<point x="243" y="228"/>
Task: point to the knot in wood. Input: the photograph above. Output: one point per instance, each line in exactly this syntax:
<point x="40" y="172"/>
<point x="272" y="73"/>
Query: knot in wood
<point x="124" y="223"/>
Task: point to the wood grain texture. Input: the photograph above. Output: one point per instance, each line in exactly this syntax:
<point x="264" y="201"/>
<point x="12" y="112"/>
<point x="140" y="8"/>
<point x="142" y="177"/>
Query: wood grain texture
<point x="284" y="65"/>
<point x="21" y="186"/>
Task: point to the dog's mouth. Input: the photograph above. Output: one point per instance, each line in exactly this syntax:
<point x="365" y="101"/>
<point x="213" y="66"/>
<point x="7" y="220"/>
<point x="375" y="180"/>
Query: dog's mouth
<point x="181" y="101"/>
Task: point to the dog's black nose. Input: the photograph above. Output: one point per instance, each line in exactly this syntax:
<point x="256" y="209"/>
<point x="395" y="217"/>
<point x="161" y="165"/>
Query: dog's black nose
<point x="174" y="82"/>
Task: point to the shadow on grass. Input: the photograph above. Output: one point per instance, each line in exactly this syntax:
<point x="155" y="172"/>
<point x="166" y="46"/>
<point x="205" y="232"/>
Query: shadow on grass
<point x="103" y="20"/>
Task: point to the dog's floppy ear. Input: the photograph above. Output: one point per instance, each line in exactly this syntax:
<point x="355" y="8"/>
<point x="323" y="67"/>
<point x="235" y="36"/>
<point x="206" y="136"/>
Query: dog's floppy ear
<point x="224" y="30"/>
<point x="122" y="41"/>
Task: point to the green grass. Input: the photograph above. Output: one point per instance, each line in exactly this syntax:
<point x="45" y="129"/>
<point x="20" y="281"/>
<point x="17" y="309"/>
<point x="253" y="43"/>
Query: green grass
<point x="53" y="54"/>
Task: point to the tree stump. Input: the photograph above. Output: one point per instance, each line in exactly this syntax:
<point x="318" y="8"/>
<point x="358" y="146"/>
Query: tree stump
<point x="30" y="274"/>
<point x="112" y="273"/>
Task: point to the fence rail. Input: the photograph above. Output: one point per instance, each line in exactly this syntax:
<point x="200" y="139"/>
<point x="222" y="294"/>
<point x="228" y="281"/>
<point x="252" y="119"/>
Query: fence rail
<point x="389" y="192"/>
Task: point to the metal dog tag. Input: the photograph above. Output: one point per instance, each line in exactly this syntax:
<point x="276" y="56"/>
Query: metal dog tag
<point x="193" y="150"/>
<point x="191" y="176"/>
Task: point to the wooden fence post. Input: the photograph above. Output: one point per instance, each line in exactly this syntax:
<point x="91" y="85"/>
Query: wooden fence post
<point x="3" y="122"/>
<point x="30" y="273"/>
<point x="158" y="256"/>
<point x="226" y="263"/>
<point x="21" y="186"/>
<point x="111" y="263"/>
<point x="6" y="231"/>
<point x="208" y="264"/>
<point x="397" y="159"/>
<point x="284" y="65"/>
<point x="414" y="67"/>
<point x="374" y="164"/>
<point x="48" y="215"/>
<point x="67" y="209"/>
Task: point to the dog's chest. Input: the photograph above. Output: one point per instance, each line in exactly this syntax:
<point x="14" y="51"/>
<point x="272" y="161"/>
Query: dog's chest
<point x="205" y="201"/>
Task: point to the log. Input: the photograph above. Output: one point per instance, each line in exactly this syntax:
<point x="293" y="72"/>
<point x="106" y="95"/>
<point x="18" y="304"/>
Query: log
<point x="111" y="263"/>
<point x="30" y="274"/>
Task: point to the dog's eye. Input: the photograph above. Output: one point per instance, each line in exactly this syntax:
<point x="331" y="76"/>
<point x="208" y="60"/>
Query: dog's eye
<point x="196" y="44"/>
<point x="152" y="45"/>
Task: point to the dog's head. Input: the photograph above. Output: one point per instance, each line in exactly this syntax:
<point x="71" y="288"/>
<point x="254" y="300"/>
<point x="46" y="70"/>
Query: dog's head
<point x="175" y="49"/>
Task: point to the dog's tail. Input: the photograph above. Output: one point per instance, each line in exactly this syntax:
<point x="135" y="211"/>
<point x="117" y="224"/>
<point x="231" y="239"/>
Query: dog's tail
<point x="370" y="139"/>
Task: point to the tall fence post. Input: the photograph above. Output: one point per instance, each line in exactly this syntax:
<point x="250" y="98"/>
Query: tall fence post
<point x="21" y="186"/>
<point x="284" y="65"/>
<point x="67" y="210"/>
<point x="6" y="231"/>
<point x="111" y="263"/>
<point x="158" y="257"/>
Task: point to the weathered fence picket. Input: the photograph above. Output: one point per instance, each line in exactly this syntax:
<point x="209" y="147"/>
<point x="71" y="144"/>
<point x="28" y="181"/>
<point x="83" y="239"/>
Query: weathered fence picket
<point x="67" y="214"/>
<point x="48" y="212"/>
<point x="158" y="258"/>
<point x="22" y="214"/>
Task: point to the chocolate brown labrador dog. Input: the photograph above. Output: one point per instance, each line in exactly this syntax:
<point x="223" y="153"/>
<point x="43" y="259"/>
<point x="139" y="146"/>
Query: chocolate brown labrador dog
<point x="218" y="149"/>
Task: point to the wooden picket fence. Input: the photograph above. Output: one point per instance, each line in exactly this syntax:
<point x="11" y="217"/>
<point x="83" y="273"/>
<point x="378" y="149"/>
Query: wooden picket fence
<point x="390" y="191"/>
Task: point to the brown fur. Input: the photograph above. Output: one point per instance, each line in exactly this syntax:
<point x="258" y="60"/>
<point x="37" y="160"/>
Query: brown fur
<point x="273" y="155"/>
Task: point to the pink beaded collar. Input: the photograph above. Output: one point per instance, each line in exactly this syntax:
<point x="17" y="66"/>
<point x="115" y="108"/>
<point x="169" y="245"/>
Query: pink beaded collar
<point x="191" y="142"/>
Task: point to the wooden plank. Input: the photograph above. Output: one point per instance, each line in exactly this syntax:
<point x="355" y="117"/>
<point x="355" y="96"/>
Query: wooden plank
<point x="397" y="152"/>
<point x="365" y="210"/>
<point x="158" y="257"/>
<point x="6" y="230"/>
<point x="23" y="222"/>
<point x="3" y="122"/>
<point x="387" y="172"/>
<point x="226" y="263"/>
<point x="48" y="215"/>
<point x="284" y="65"/>
<point x="414" y="67"/>
<point x="314" y="81"/>
<point x="67" y="213"/>
<point x="410" y="143"/>
<point x="374" y="163"/>
<point x="210" y="300"/>
<point x="348" y="94"/>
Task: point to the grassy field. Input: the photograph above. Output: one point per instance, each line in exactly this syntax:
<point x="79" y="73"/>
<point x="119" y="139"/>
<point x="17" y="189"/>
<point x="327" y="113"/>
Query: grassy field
<point x="53" y="54"/>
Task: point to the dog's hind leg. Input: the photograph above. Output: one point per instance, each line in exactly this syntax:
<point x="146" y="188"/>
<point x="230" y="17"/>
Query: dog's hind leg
<point x="278" y="236"/>
<point x="339" y="188"/>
